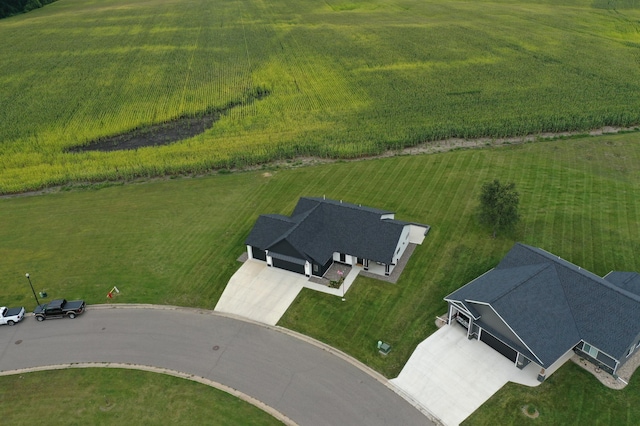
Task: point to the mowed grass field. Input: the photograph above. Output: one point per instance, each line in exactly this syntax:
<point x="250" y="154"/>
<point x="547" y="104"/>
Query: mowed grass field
<point x="571" y="396"/>
<point x="105" y="396"/>
<point x="345" y="78"/>
<point x="176" y="241"/>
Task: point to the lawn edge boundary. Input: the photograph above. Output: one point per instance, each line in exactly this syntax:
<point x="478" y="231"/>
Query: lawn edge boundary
<point x="336" y="352"/>
<point x="211" y="383"/>
<point x="421" y="148"/>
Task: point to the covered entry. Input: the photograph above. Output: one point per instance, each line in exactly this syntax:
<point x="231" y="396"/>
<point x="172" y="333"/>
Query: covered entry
<point x="498" y="345"/>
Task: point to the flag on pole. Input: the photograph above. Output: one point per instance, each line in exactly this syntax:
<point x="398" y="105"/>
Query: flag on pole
<point x="109" y="295"/>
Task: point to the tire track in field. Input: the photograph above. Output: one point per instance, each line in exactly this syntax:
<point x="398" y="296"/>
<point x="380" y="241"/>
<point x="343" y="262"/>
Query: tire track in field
<point x="202" y="267"/>
<point x="189" y="70"/>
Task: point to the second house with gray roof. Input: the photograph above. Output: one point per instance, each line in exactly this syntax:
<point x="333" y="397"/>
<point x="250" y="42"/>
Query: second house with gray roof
<point x="535" y="307"/>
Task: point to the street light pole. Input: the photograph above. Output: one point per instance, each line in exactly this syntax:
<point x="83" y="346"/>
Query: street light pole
<point x="34" y="292"/>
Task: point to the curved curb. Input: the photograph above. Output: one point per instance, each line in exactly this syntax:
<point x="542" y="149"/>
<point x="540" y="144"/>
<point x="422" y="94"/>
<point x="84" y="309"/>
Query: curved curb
<point x="243" y="396"/>
<point x="345" y="357"/>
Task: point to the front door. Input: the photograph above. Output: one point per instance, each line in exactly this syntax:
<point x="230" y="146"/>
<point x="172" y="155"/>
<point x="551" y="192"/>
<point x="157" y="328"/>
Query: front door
<point x="343" y="258"/>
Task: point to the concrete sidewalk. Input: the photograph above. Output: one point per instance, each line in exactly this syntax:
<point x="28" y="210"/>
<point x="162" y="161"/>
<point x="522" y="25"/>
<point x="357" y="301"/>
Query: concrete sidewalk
<point x="452" y="376"/>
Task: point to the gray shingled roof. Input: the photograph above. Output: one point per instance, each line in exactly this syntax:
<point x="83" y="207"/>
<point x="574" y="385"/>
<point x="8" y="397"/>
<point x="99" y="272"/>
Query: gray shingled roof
<point x="629" y="281"/>
<point x="269" y="229"/>
<point x="318" y="227"/>
<point x="552" y="304"/>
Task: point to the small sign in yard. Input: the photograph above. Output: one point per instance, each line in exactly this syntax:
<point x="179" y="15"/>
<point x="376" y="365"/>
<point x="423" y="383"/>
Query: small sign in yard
<point x="113" y="290"/>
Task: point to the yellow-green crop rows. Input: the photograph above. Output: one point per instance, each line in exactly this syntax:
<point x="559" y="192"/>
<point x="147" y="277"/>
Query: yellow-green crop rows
<point x="344" y="79"/>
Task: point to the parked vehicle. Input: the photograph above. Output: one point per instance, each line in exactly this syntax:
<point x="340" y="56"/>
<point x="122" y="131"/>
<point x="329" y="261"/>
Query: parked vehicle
<point x="59" y="308"/>
<point x="10" y="316"/>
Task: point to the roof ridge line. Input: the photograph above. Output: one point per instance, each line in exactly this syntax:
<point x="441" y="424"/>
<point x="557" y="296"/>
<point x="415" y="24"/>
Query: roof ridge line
<point x="296" y="224"/>
<point x="570" y="305"/>
<point x="588" y="274"/>
<point x="349" y="205"/>
<point x="516" y="334"/>
<point x="555" y="264"/>
<point x="542" y="266"/>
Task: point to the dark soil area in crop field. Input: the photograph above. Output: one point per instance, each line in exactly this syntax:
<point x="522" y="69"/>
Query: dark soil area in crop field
<point x="155" y="135"/>
<point x="165" y="133"/>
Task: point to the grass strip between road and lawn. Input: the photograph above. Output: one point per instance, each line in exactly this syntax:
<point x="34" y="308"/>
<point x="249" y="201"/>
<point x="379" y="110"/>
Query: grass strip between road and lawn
<point x="571" y="396"/>
<point x="111" y="396"/>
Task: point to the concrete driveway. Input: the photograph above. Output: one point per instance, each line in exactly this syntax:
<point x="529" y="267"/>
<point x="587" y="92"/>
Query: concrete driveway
<point x="452" y="376"/>
<point x="260" y="293"/>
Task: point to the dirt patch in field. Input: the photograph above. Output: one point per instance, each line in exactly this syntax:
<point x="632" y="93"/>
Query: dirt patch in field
<point x="155" y="135"/>
<point x="270" y="167"/>
<point x="530" y="412"/>
<point x="176" y="130"/>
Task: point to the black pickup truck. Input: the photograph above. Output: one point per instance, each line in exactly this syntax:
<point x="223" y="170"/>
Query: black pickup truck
<point x="59" y="308"/>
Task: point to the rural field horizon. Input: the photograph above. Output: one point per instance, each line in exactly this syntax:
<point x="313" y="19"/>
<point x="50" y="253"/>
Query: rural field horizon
<point x="289" y="79"/>
<point x="289" y="92"/>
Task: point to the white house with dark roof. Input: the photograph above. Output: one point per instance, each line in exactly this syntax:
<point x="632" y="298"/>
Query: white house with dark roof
<point x="320" y="232"/>
<point x="535" y="307"/>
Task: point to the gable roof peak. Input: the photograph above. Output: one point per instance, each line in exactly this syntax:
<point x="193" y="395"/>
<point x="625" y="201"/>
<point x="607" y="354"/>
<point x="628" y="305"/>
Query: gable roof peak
<point x="341" y="203"/>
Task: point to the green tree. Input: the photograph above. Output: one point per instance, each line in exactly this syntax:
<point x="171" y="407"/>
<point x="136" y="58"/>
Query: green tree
<point x="499" y="205"/>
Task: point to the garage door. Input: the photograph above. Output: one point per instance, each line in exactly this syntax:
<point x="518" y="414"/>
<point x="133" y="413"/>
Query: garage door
<point x="498" y="345"/>
<point x="289" y="266"/>
<point x="259" y="254"/>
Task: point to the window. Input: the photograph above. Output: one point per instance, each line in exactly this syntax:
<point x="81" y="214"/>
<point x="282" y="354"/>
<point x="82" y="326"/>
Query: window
<point x="315" y="268"/>
<point x="590" y="350"/>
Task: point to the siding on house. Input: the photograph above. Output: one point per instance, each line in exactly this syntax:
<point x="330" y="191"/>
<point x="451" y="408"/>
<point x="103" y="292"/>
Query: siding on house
<point x="552" y="305"/>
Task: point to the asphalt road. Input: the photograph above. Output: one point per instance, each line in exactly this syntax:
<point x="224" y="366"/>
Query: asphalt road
<point x="306" y="383"/>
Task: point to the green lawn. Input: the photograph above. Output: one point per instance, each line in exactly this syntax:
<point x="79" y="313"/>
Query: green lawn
<point x="101" y="396"/>
<point x="345" y="79"/>
<point x="577" y="201"/>
<point x="571" y="396"/>
<point x="175" y="241"/>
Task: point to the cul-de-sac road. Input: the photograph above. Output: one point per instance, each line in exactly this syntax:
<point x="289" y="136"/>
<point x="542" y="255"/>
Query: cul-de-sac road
<point x="305" y="382"/>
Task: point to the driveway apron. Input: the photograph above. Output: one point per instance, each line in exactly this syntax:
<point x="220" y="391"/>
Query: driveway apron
<point x="260" y="293"/>
<point x="451" y="376"/>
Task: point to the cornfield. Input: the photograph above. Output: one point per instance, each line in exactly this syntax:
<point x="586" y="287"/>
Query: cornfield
<point x="343" y="79"/>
